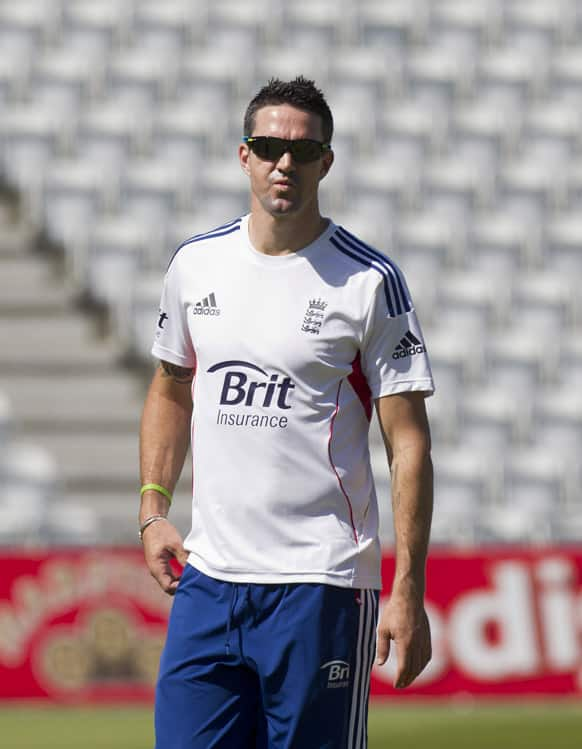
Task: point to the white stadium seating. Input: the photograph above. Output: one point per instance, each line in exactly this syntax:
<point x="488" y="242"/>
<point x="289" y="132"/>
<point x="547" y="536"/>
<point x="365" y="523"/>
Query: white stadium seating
<point x="458" y="140"/>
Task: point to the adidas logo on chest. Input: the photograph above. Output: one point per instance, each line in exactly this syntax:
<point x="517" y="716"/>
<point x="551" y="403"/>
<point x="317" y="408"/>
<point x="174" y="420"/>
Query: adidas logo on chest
<point x="207" y="306"/>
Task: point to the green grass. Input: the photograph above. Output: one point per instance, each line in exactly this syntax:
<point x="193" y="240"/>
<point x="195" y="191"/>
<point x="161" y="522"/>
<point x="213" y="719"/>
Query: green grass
<point x="443" y="726"/>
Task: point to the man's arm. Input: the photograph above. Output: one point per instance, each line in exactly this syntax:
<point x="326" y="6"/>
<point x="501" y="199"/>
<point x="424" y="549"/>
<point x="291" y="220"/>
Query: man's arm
<point x="164" y="440"/>
<point x="405" y="429"/>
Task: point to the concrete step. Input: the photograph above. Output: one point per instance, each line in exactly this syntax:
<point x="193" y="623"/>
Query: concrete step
<point x="111" y="401"/>
<point x="16" y="239"/>
<point x="58" y="345"/>
<point x="93" y="462"/>
<point x="117" y="513"/>
<point x="29" y="287"/>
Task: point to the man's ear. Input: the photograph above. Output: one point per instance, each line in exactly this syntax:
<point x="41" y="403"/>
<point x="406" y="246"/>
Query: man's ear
<point x="326" y="163"/>
<point x="244" y="153"/>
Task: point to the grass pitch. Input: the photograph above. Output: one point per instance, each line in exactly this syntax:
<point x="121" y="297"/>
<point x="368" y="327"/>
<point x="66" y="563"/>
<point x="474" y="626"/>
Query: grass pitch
<point x="443" y="726"/>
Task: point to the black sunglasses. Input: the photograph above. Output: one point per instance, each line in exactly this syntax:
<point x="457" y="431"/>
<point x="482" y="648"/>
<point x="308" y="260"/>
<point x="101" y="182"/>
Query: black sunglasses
<point x="302" y="150"/>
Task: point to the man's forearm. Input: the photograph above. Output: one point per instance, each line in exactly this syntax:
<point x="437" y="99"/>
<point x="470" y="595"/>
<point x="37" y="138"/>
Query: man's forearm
<point x="164" y="437"/>
<point x="412" y="502"/>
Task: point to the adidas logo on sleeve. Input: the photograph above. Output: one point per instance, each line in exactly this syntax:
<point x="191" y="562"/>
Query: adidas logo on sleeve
<point x="206" y="306"/>
<point x="409" y="346"/>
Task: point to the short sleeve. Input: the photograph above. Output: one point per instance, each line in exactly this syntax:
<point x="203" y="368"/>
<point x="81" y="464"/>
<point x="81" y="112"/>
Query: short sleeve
<point x="172" y="341"/>
<point x="394" y="357"/>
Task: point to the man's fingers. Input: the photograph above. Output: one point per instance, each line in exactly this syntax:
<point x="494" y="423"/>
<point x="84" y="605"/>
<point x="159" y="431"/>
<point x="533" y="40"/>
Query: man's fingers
<point x="382" y="648"/>
<point x="411" y="662"/>
<point x="404" y="656"/>
<point x="182" y="556"/>
<point x="167" y="581"/>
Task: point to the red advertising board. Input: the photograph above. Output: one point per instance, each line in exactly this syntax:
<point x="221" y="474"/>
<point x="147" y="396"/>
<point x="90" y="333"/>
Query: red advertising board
<point x="503" y="622"/>
<point x="79" y="625"/>
<point x="88" y="625"/>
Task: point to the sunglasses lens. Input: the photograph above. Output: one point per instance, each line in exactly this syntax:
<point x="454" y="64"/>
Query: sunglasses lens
<point x="305" y="151"/>
<point x="271" y="149"/>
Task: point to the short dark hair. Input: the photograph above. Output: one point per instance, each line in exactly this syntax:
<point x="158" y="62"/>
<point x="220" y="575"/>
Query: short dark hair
<point x="300" y="93"/>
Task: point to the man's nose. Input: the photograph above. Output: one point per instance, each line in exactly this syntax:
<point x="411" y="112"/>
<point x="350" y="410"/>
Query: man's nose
<point x="286" y="163"/>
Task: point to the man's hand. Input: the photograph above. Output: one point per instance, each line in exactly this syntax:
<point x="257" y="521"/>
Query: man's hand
<point x="161" y="544"/>
<point x="404" y="620"/>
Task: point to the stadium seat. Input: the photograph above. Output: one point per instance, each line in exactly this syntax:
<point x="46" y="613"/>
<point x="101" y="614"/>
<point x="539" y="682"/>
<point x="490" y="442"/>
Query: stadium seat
<point x="112" y="131"/>
<point x="564" y="242"/>
<point x="75" y="191"/>
<point x="536" y="479"/>
<point x="28" y="465"/>
<point x="257" y="20"/>
<point x="444" y="73"/>
<point x="414" y="123"/>
<point x="210" y="70"/>
<point x="443" y="414"/>
<point x="117" y="247"/>
<point x="394" y="24"/>
<point x="393" y="185"/>
<point x="545" y="300"/>
<point x="513" y="70"/>
<point x="6" y="424"/>
<point x="522" y="523"/>
<point x="373" y="71"/>
<point x="144" y="313"/>
<point x="482" y="21"/>
<point x="14" y="75"/>
<point x="142" y="76"/>
<point x="66" y="78"/>
<point x="327" y="23"/>
<point x="223" y="181"/>
<point x="457" y="360"/>
<point x="465" y="482"/>
<point x="28" y="25"/>
<point x="566" y="71"/>
<point x="30" y="136"/>
<point x="556" y="20"/>
<point x="539" y="179"/>
<point x="569" y="365"/>
<point x="153" y="189"/>
<point x="487" y="122"/>
<point x="171" y="25"/>
<point x="470" y="297"/>
<point x="24" y="512"/>
<point x="427" y="239"/>
<point x="558" y="421"/>
<point x="288" y="62"/>
<point x="468" y="181"/>
<point x="492" y="419"/>
<point x="554" y="121"/>
<point x="502" y="241"/>
<point x="519" y="359"/>
<point x="108" y="20"/>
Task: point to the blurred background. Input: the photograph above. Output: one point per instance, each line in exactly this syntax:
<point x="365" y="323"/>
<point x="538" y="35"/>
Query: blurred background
<point x="458" y="146"/>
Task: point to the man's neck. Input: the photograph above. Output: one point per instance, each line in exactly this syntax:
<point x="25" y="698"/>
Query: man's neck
<point x="283" y="235"/>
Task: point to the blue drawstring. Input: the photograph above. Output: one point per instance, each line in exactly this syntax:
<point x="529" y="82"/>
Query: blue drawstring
<point x="233" y="597"/>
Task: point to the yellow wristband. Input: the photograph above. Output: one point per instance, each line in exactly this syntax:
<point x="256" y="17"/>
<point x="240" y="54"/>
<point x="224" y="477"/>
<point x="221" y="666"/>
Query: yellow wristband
<point x="156" y="488"/>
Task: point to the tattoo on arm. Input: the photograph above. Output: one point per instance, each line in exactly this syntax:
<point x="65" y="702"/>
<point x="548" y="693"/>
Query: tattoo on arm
<point x="180" y="375"/>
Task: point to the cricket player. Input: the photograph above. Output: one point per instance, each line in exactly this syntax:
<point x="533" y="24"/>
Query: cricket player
<point x="278" y="333"/>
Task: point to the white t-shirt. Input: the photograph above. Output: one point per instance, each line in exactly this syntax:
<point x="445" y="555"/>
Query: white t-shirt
<point x="289" y="352"/>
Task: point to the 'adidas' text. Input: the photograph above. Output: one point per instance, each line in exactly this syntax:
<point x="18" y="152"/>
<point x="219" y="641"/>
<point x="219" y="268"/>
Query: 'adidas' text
<point x="409" y="346"/>
<point x="207" y="306"/>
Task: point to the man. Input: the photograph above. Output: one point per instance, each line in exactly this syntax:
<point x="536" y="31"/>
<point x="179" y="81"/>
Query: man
<point x="275" y="333"/>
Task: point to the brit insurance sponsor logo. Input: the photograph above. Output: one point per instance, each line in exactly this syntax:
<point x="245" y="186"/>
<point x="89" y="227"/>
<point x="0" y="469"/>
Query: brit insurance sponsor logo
<point x="338" y="673"/>
<point x="252" y="397"/>
<point x="162" y="317"/>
